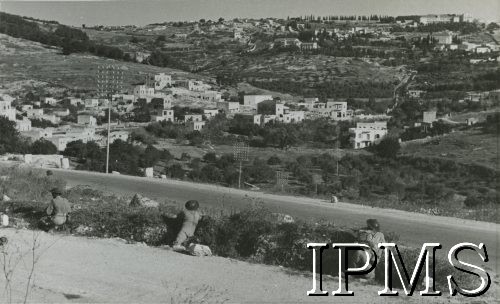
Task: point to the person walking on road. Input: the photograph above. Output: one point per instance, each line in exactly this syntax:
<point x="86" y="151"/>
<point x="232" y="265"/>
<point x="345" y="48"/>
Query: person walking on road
<point x="190" y="217"/>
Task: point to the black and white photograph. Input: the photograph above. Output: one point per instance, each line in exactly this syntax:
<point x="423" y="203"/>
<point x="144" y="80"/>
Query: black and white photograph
<point x="249" y="151"/>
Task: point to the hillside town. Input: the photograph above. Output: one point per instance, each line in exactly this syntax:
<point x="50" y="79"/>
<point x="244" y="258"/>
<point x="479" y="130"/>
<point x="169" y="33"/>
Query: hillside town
<point x="246" y="138"/>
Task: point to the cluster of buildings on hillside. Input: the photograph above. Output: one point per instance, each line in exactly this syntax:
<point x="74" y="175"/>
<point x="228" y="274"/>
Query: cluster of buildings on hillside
<point x="159" y="86"/>
<point x="445" y="41"/>
<point x="286" y="32"/>
<point x="84" y="130"/>
<point x="363" y="135"/>
<point x="260" y="109"/>
<point x="444" y="18"/>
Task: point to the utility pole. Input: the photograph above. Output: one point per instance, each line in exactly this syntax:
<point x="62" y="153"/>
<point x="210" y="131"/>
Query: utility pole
<point x="109" y="81"/>
<point x="282" y="179"/>
<point x="337" y="147"/>
<point x="240" y="150"/>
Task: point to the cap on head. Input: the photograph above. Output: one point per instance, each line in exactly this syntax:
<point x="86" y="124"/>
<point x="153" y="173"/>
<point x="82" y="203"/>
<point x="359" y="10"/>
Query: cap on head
<point x="373" y="224"/>
<point x="56" y="191"/>
<point x="3" y="240"/>
<point x="192" y="205"/>
<point x="49" y="173"/>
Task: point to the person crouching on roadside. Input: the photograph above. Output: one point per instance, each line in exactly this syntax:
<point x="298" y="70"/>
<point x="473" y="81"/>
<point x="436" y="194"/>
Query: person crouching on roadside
<point x="3" y="242"/>
<point x="371" y="236"/>
<point x="57" y="211"/>
<point x="190" y="217"/>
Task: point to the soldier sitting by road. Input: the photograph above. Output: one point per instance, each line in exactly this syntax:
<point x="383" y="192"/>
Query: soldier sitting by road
<point x="190" y="217"/>
<point x="57" y="211"/>
<point x="3" y="242"/>
<point x="371" y="236"/>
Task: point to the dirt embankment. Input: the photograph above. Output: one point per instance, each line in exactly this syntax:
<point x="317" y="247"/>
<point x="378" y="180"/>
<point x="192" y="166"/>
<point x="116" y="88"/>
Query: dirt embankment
<point x="73" y="269"/>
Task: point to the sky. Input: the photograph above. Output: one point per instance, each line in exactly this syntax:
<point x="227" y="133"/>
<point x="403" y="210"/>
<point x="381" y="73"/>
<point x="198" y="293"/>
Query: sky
<point x="127" y="12"/>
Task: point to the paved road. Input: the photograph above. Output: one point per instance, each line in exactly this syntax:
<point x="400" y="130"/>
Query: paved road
<point x="414" y="229"/>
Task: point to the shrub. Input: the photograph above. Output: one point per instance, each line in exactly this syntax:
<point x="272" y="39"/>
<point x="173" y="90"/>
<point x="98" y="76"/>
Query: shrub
<point x="388" y="147"/>
<point x="43" y="146"/>
<point x="27" y="185"/>
<point x="274" y="160"/>
<point x="176" y="171"/>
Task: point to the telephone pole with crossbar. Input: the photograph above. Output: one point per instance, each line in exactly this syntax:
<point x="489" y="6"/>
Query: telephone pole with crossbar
<point x="109" y="81"/>
<point x="240" y="150"/>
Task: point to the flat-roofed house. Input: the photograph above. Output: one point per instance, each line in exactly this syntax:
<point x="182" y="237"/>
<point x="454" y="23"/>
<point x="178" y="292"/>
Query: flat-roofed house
<point x="195" y="125"/>
<point x="366" y="134"/>
<point x="254" y="100"/>
<point x="6" y="108"/>
<point x="163" y="115"/>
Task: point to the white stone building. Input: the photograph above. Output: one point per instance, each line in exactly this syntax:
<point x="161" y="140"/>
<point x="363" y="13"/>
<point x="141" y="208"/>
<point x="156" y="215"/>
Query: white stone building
<point x="443" y="37"/>
<point x="195" y="125"/>
<point x="429" y="117"/>
<point x="142" y="91"/>
<point x="193" y="85"/>
<point x="91" y="103"/>
<point x="49" y="100"/>
<point x="25" y="108"/>
<point x="34" y="113"/>
<point x="6" y="108"/>
<point x="86" y="120"/>
<point x="37" y="133"/>
<point x="162" y="80"/>
<point x="229" y="107"/>
<point x="193" y="117"/>
<point x="163" y="115"/>
<point x="209" y="113"/>
<point x="75" y="101"/>
<point x="338" y="110"/>
<point x="23" y="125"/>
<point x="368" y="133"/>
<point x="254" y="100"/>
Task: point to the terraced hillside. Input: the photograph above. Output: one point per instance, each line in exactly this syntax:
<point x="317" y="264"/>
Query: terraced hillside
<point x="26" y="63"/>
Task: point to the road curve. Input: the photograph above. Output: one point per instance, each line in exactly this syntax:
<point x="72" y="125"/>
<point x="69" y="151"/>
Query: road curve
<point x="414" y="229"/>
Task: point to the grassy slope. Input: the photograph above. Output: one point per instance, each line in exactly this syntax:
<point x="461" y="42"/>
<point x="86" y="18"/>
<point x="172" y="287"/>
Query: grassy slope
<point x="21" y="60"/>
<point x="465" y="146"/>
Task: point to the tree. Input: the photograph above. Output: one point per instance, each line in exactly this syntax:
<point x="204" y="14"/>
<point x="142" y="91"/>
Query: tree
<point x="226" y="161"/>
<point x="274" y="160"/>
<point x="161" y="38"/>
<point x="76" y="149"/>
<point x="267" y="107"/>
<point x="176" y="171"/>
<point x="150" y="157"/>
<point x="43" y="146"/>
<point x="259" y="171"/>
<point x="492" y="27"/>
<point x="210" y="157"/>
<point x="124" y="157"/>
<point x="10" y="141"/>
<point x="492" y="124"/>
<point x="388" y="147"/>
<point x="211" y="173"/>
<point x="42" y="123"/>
